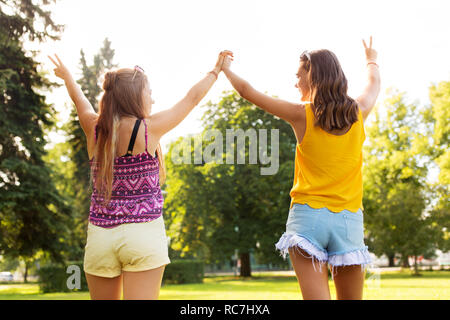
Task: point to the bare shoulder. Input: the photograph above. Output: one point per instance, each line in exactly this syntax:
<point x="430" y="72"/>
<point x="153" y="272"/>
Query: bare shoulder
<point x="295" y="112"/>
<point x="302" y="109"/>
<point x="300" y="112"/>
<point x="299" y="124"/>
<point x="149" y="121"/>
<point x="152" y="129"/>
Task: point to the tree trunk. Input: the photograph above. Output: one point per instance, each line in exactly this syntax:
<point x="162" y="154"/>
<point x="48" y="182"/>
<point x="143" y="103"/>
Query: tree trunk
<point x="416" y="266"/>
<point x="246" y="270"/>
<point x="391" y="260"/>
<point x="25" y="275"/>
<point x="405" y="262"/>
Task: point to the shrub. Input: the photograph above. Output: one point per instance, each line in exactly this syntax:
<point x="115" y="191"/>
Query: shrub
<point x="53" y="278"/>
<point x="184" y="271"/>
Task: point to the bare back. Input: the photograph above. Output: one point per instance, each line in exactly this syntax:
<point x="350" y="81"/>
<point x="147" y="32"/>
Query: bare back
<point x="124" y="133"/>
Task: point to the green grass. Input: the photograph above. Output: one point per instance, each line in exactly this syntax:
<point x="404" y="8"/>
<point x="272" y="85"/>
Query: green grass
<point x="390" y="285"/>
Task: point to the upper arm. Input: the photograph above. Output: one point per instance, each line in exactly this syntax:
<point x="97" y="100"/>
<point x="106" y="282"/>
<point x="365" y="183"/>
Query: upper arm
<point x="86" y="115"/>
<point x="288" y="111"/>
<point x="365" y="106"/>
<point x="367" y="99"/>
<point x="88" y="121"/>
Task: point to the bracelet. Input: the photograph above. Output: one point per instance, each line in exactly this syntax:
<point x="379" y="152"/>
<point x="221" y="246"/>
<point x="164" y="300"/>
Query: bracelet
<point x="214" y="73"/>
<point x="374" y="63"/>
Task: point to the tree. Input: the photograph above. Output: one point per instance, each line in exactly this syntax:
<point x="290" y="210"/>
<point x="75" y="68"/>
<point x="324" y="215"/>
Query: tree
<point x="7" y="264"/>
<point x="58" y="157"/>
<point x="33" y="215"/>
<point x="437" y="118"/>
<point x="216" y="208"/>
<point x="395" y="189"/>
<point x="27" y="19"/>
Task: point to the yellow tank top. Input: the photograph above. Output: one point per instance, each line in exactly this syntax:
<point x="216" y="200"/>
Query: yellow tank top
<point x="328" y="167"/>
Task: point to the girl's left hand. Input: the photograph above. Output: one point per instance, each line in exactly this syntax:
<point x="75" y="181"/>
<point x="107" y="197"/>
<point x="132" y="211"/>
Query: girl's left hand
<point x="61" y="70"/>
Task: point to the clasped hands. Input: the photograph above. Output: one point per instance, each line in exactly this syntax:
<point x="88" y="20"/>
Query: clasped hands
<point x="223" y="61"/>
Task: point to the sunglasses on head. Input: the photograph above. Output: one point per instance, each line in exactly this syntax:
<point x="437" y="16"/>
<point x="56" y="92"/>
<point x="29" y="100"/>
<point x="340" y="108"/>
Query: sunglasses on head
<point x="136" y="70"/>
<point x="306" y="54"/>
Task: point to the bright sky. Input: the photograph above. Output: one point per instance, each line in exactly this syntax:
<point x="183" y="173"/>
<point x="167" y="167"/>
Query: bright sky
<point x="177" y="42"/>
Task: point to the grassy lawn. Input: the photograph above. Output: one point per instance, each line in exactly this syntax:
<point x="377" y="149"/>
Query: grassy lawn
<point x="389" y="285"/>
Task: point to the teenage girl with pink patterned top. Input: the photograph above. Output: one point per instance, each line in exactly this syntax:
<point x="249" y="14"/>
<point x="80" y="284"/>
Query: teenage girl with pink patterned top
<point x="126" y="249"/>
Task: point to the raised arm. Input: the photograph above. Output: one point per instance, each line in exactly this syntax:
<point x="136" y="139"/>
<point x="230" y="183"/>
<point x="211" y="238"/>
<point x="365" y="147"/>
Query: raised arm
<point x="85" y="111"/>
<point x="164" y="121"/>
<point x="367" y="99"/>
<point x="288" y="111"/>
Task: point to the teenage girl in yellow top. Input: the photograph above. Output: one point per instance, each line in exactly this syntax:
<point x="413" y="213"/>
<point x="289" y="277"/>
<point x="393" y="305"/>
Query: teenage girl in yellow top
<point x="325" y="223"/>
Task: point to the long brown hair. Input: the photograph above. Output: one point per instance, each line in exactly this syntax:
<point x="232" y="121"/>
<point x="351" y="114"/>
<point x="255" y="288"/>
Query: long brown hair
<point x="333" y="108"/>
<point x="123" y="96"/>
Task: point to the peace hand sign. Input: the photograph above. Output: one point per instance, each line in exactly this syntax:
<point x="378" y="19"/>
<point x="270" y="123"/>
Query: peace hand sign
<point x="61" y="70"/>
<point x="371" y="54"/>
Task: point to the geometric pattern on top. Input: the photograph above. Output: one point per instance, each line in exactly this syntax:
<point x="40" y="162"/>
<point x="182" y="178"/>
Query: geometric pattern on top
<point x="136" y="194"/>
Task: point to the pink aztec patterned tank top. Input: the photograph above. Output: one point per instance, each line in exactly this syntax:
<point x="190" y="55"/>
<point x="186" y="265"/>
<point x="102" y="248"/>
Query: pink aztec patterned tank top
<point x="136" y="193"/>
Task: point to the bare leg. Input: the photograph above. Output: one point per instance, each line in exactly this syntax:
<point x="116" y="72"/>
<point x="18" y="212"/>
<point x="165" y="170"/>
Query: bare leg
<point x="142" y="285"/>
<point x="101" y="288"/>
<point x="349" y="282"/>
<point x="313" y="283"/>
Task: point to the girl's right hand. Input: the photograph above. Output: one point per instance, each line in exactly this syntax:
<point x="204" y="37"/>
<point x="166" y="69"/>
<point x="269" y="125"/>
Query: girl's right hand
<point x="61" y="70"/>
<point x="371" y="54"/>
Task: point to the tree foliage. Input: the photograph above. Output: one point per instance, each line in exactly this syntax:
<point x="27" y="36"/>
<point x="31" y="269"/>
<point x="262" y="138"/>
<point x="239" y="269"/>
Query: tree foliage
<point x="396" y="198"/>
<point x="437" y="118"/>
<point x="27" y="18"/>
<point x="213" y="209"/>
<point x="33" y="215"/>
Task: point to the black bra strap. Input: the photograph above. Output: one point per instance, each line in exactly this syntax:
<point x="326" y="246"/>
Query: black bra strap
<point x="133" y="137"/>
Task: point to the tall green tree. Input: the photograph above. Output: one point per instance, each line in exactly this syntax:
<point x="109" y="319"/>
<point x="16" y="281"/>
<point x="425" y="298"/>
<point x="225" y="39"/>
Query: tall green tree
<point x="217" y="208"/>
<point x="395" y="188"/>
<point x="33" y="215"/>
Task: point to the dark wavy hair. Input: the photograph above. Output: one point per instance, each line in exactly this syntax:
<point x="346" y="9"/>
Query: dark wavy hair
<point x="333" y="108"/>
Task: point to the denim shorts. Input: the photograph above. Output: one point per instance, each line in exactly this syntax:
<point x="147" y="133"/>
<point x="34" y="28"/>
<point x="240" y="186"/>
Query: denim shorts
<point x="334" y="238"/>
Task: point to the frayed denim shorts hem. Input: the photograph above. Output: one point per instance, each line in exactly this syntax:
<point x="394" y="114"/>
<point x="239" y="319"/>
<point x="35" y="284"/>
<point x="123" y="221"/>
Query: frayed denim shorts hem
<point x="326" y="236"/>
